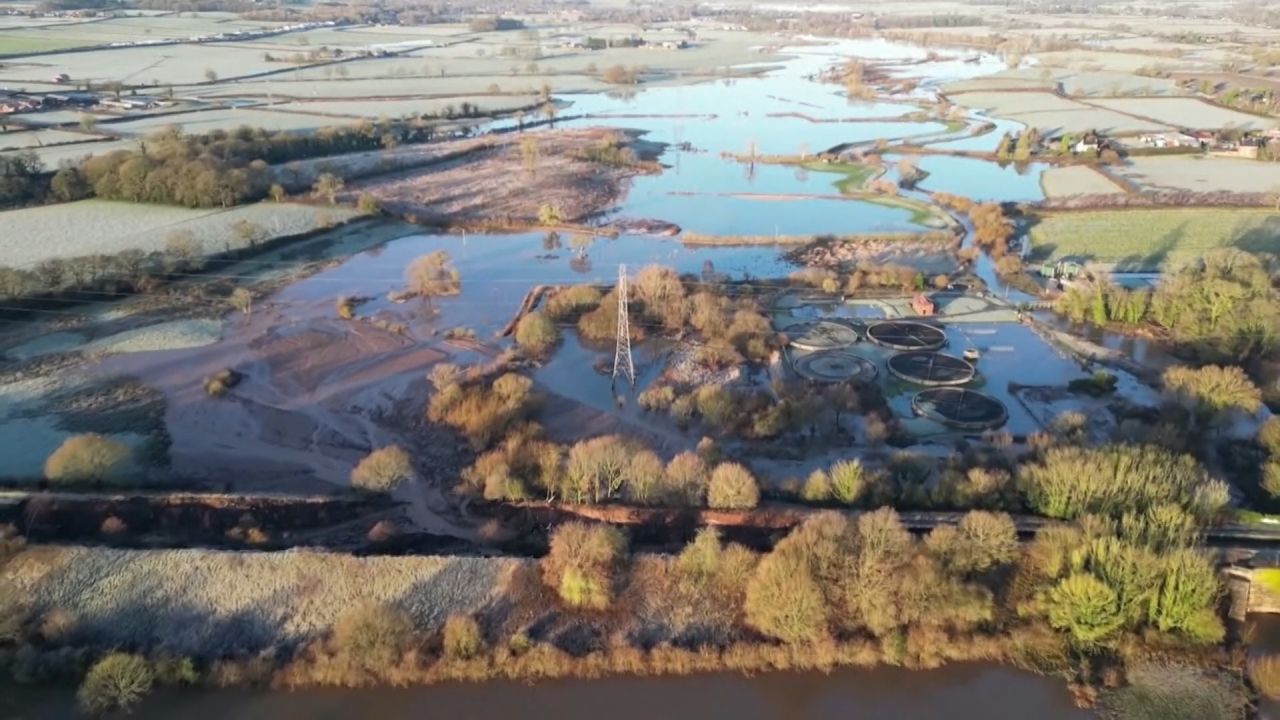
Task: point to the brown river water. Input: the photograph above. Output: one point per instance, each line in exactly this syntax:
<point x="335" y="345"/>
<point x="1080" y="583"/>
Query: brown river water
<point x="958" y="692"/>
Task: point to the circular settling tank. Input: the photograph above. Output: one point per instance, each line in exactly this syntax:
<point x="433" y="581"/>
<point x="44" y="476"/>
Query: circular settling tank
<point x="821" y="335"/>
<point x="960" y="408"/>
<point x="931" y="368"/>
<point x="907" y="335"/>
<point x="832" y="366"/>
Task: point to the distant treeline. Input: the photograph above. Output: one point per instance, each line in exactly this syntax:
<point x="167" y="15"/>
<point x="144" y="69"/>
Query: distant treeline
<point x="218" y="169"/>
<point x="927" y="21"/>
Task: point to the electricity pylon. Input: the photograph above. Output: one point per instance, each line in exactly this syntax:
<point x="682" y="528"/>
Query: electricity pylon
<point x="622" y="354"/>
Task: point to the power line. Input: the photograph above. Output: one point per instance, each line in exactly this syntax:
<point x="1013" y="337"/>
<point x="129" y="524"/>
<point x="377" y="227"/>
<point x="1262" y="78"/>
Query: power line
<point x="622" y="349"/>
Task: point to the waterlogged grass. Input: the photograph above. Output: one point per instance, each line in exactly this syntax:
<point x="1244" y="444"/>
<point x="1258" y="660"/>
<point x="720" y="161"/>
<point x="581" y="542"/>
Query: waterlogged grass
<point x="855" y="175"/>
<point x="1153" y="238"/>
<point x="199" y="601"/>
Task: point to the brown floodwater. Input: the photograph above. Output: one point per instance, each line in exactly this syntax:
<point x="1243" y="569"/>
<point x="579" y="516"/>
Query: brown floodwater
<point x="958" y="692"/>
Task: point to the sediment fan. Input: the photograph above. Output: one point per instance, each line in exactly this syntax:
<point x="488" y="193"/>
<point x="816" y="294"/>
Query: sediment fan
<point x="960" y="408"/>
<point x="931" y="368"/>
<point x="906" y="335"/>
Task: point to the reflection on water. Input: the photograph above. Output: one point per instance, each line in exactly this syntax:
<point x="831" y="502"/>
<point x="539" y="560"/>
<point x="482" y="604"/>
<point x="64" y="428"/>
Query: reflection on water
<point x="968" y="692"/>
<point x="497" y="270"/>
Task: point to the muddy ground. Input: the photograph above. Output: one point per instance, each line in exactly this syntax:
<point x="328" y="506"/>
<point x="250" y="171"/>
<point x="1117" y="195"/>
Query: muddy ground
<point x="504" y="181"/>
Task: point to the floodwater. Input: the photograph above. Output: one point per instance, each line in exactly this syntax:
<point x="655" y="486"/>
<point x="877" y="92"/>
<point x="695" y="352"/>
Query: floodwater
<point x="960" y="692"/>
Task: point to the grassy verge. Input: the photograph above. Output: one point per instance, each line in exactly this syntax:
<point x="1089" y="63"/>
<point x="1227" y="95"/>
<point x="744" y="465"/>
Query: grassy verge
<point x="1151" y="238"/>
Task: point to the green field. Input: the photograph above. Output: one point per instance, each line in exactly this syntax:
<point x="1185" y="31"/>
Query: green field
<point x="1151" y="238"/>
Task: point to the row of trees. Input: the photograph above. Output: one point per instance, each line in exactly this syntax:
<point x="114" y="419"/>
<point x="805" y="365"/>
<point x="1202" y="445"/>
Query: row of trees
<point x="838" y="577"/>
<point x="1222" y="307"/>
<point x="605" y="469"/>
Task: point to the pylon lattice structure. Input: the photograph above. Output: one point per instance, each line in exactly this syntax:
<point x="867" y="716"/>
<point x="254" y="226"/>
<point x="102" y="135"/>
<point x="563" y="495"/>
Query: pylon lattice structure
<point x="622" y="355"/>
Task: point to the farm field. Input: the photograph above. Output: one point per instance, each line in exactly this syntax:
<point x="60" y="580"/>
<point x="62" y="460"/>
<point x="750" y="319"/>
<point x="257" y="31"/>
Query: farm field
<point x="53" y="155"/>
<point x="204" y="121"/>
<point x="310" y="86"/>
<point x="56" y="117"/>
<point x="401" y="107"/>
<point x="1123" y="62"/>
<point x="1185" y="112"/>
<point x="1148" y="239"/>
<point x="161" y="65"/>
<point x="12" y="43"/>
<point x="120" y="30"/>
<point x="52" y="231"/>
<point x="226" y="602"/>
<point x="1053" y="113"/>
<point x="1201" y="173"/>
<point x="1073" y="83"/>
<point x="1076" y="180"/>
<point x="39" y="138"/>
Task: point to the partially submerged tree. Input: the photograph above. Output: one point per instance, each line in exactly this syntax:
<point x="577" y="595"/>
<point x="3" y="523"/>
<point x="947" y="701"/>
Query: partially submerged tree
<point x="433" y="275"/>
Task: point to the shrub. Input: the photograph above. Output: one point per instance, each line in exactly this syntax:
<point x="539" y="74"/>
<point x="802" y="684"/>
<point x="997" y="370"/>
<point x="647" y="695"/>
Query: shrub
<point x="732" y="487"/>
<point x="657" y="397"/>
<point x="1086" y="608"/>
<point x="482" y="412"/>
<point x="980" y="542"/>
<point x="536" y="333"/>
<point x="217" y="384"/>
<point x="113" y="525"/>
<point x="784" y="601"/>
<point x="1070" y="482"/>
<point x="1212" y="390"/>
<point x="118" y="681"/>
<point x="686" y="479"/>
<point x="372" y="636"/>
<point x="848" y="481"/>
<point x="87" y="458"/>
<point x="462" y="638"/>
<point x="582" y="562"/>
<point x="382" y="470"/>
<point x="571" y="302"/>
<point x="1269" y="435"/>
<point x="816" y="488"/>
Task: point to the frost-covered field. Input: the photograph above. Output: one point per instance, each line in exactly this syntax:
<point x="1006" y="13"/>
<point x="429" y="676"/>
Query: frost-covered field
<point x="1050" y="112"/>
<point x="205" y="121"/>
<point x="23" y="139"/>
<point x="161" y="65"/>
<point x="97" y="226"/>
<point x="54" y="155"/>
<point x="201" y="602"/>
<point x="1185" y="112"/>
<point x="1204" y="174"/>
<point x="400" y="108"/>
<point x="174" y="335"/>
<point x="1076" y="180"/>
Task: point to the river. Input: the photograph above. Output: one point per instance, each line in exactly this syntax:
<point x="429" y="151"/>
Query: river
<point x="959" y="692"/>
